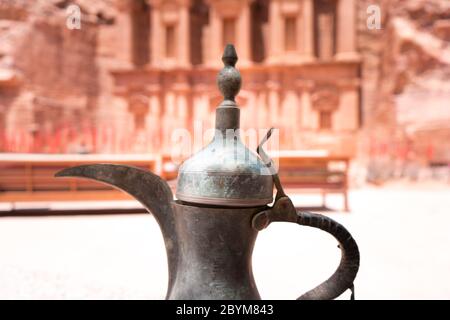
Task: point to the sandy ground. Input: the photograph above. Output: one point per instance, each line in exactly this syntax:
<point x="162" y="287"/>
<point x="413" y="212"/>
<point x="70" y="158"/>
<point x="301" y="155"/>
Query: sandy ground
<point x="403" y="234"/>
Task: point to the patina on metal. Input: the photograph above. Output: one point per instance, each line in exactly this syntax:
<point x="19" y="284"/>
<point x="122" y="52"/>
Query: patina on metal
<point x="210" y="231"/>
<point x="226" y="172"/>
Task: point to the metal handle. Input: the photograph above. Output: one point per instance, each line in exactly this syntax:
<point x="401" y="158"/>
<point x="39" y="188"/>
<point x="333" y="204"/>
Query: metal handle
<point x="283" y="210"/>
<point x="343" y="277"/>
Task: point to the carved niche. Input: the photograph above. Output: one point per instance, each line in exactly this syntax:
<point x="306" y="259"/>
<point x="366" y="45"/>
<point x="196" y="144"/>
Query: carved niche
<point x="138" y="106"/>
<point x="325" y="100"/>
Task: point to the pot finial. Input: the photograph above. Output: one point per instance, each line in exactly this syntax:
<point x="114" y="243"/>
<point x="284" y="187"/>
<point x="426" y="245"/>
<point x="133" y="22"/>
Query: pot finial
<point x="229" y="78"/>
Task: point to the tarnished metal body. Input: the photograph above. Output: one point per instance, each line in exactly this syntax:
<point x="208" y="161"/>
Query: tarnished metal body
<point x="215" y="256"/>
<point x="223" y="195"/>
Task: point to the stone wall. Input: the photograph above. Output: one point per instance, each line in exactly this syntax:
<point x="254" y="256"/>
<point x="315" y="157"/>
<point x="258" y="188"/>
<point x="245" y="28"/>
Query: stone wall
<point x="405" y="88"/>
<point x="49" y="74"/>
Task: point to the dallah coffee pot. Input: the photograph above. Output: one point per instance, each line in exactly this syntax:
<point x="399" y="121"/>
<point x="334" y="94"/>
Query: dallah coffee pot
<point x="223" y="196"/>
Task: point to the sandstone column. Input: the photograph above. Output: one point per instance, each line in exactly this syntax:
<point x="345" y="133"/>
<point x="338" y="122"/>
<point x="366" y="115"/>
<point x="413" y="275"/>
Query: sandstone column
<point x="125" y="31"/>
<point x="289" y="115"/>
<point x="182" y="112"/>
<point x="346" y="17"/>
<point x="243" y="35"/>
<point x="183" y="34"/>
<point x="153" y="123"/>
<point x="308" y="117"/>
<point x="275" y="32"/>
<point x="274" y="88"/>
<point x="215" y="36"/>
<point x="169" y="120"/>
<point x="347" y="117"/>
<point x="156" y="46"/>
<point x="307" y="34"/>
<point x="262" y="112"/>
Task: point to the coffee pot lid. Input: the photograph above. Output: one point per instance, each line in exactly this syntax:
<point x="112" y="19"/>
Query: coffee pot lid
<point x="226" y="172"/>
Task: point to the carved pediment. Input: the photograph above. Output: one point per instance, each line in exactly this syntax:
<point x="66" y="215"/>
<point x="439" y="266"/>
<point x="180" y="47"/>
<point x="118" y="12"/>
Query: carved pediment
<point x="139" y="104"/>
<point x="325" y="98"/>
<point x="169" y="12"/>
<point x="227" y="8"/>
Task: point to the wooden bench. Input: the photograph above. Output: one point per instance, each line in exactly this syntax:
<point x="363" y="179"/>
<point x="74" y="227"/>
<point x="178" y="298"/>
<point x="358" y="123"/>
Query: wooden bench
<point x="325" y="173"/>
<point x="30" y="177"/>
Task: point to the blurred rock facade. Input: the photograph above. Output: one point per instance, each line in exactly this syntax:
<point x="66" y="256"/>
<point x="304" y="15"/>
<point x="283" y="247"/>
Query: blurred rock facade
<point x="317" y="69"/>
<point x="406" y="89"/>
<point x="139" y="69"/>
<point x="49" y="75"/>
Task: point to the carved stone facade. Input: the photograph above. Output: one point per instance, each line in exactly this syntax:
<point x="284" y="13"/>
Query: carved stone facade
<point x="149" y="67"/>
<point x="299" y="73"/>
<point x="405" y="77"/>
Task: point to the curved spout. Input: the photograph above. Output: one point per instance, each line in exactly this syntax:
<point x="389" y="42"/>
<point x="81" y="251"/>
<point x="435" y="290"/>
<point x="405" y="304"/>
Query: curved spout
<point x="149" y="189"/>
